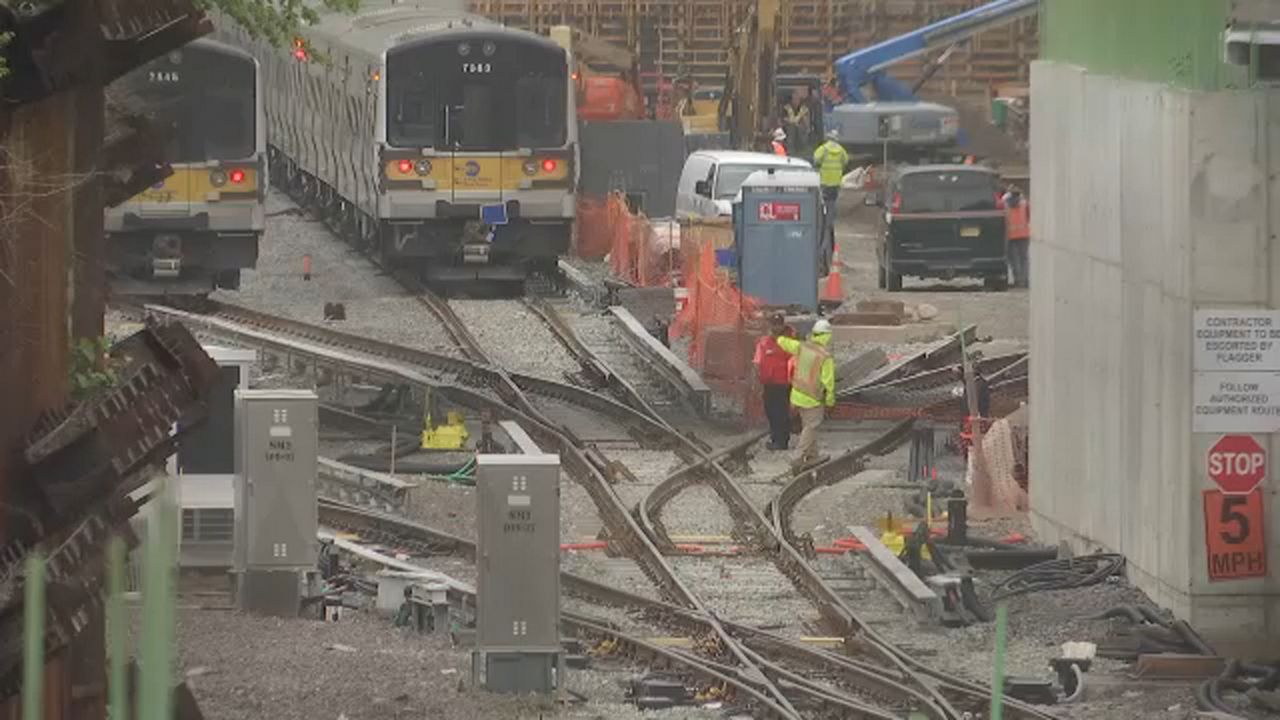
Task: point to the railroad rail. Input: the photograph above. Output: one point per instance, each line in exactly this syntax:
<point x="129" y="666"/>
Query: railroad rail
<point x="845" y="465"/>
<point x="861" y="680"/>
<point x="488" y="388"/>
<point x="595" y="369"/>
<point x="446" y="373"/>
<point x="752" y="527"/>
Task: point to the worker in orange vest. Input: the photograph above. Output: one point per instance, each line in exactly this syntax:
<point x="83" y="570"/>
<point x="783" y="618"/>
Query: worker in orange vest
<point x="1018" y="221"/>
<point x="778" y="145"/>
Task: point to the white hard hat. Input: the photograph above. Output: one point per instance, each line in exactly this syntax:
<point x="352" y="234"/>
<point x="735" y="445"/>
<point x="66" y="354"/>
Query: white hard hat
<point x="833" y="134"/>
<point x="822" y="327"/>
<point x="779" y="134"/>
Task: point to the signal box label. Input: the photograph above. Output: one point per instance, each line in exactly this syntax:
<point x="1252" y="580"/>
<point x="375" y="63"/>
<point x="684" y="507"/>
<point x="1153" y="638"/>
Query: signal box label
<point x="1233" y="535"/>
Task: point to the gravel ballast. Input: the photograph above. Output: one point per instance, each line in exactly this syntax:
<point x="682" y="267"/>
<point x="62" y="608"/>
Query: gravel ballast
<point x="376" y="306"/>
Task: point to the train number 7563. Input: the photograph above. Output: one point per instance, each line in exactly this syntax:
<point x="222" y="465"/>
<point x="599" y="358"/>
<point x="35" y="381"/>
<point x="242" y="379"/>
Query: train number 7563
<point x="477" y="67"/>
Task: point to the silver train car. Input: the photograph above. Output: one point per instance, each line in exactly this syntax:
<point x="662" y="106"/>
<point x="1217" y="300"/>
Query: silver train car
<point x="440" y="141"/>
<point x="197" y="229"/>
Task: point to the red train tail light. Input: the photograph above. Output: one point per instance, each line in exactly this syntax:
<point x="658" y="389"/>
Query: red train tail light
<point x="237" y="176"/>
<point x="548" y="165"/>
<point x="405" y="166"/>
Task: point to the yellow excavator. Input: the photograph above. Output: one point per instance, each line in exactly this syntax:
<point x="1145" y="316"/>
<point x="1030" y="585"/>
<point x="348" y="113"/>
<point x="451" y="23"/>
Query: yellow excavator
<point x="747" y="107"/>
<point x="749" y="96"/>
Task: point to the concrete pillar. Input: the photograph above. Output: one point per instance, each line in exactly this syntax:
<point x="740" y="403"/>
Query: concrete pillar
<point x="1151" y="202"/>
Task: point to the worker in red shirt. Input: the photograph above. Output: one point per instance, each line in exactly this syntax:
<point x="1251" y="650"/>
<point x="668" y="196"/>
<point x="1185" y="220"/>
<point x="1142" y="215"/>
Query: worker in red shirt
<point x="773" y="366"/>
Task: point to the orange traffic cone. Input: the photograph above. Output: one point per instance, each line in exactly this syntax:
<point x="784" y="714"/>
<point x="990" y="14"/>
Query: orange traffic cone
<point x="833" y="286"/>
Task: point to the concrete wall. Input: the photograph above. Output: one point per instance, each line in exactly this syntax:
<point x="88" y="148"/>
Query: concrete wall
<point x="1150" y="201"/>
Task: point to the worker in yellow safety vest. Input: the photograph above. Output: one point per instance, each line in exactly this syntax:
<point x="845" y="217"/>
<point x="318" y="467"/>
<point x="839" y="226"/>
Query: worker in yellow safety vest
<point x="813" y="385"/>
<point x="831" y="159"/>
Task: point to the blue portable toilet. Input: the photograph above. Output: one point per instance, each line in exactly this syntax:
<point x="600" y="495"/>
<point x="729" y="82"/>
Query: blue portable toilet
<point x="778" y="227"/>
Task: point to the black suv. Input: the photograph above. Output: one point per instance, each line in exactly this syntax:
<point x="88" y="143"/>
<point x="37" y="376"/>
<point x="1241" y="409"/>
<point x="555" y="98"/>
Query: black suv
<point x="942" y="221"/>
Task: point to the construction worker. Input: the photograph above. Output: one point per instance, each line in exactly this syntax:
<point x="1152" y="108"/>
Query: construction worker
<point x="773" y="367"/>
<point x="797" y="121"/>
<point x="831" y="159"/>
<point x="813" y="386"/>
<point x="778" y="144"/>
<point x="831" y="94"/>
<point x="1018" y="221"/>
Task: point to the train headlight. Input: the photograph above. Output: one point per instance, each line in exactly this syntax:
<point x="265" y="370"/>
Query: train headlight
<point x="218" y="178"/>
<point x="530" y="167"/>
<point x="422" y="167"/>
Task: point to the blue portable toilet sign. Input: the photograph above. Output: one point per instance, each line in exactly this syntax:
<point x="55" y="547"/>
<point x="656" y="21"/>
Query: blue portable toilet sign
<point x="774" y="211"/>
<point x="778" y="228"/>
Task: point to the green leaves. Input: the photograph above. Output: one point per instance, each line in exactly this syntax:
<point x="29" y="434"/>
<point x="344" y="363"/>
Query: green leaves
<point x="5" y="38"/>
<point x="90" y="372"/>
<point x="278" y="22"/>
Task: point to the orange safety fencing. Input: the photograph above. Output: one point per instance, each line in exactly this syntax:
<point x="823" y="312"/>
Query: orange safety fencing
<point x="721" y="325"/>
<point x="640" y="251"/>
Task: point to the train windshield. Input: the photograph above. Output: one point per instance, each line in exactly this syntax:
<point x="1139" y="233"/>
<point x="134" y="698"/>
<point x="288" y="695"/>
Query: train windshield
<point x="202" y="98"/>
<point x="477" y="93"/>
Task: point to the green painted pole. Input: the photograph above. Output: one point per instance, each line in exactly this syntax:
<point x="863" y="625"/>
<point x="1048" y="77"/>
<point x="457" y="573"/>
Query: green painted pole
<point x="997" y="681"/>
<point x="117" y="634"/>
<point x="155" y="697"/>
<point x="33" y="610"/>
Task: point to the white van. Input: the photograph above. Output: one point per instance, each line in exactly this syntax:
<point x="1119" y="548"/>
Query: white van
<point x="711" y="179"/>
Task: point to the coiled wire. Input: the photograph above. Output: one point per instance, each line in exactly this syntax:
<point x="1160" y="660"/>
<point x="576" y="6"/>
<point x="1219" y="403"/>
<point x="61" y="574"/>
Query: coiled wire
<point x="1060" y="575"/>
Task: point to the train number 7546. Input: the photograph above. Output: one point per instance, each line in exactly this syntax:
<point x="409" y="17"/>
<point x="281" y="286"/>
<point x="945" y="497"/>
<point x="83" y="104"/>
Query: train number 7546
<point x="469" y="67"/>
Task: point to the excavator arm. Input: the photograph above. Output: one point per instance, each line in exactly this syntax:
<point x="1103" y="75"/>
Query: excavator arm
<point x="750" y="83"/>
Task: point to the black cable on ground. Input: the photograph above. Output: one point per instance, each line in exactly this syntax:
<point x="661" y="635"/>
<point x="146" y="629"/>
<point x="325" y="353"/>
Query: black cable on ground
<point x="1060" y="575"/>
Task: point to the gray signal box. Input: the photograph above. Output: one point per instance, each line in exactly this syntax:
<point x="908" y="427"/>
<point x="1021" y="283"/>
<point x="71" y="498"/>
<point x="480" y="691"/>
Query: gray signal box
<point x="518" y="589"/>
<point x="275" y="496"/>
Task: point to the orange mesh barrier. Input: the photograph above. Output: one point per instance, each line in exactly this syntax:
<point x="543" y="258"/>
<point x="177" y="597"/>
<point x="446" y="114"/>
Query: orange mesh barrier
<point x="641" y="252"/>
<point x="721" y="325"/>
<point x="592" y="241"/>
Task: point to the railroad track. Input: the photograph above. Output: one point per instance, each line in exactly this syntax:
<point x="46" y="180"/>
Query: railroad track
<point x="756" y="530"/>
<point x="767" y="534"/>
<point x="833" y="684"/>
<point x="487" y="385"/>
<point x="447" y="373"/>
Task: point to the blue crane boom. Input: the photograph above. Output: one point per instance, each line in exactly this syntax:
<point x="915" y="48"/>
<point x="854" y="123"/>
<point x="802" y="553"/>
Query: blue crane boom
<point x="867" y="66"/>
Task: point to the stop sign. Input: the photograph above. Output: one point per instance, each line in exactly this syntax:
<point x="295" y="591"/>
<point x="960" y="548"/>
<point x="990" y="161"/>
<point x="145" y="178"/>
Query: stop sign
<point x="1237" y="463"/>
